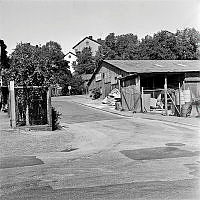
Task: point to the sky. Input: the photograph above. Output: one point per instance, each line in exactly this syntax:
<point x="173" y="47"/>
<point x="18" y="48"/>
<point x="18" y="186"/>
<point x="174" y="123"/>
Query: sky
<point x="69" y="21"/>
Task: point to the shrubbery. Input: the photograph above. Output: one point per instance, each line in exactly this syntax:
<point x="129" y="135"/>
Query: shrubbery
<point x="95" y="93"/>
<point x="55" y="119"/>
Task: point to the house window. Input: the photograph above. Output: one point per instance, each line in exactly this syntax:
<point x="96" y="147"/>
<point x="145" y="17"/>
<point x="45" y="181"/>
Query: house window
<point x="87" y="43"/>
<point x="69" y="56"/>
<point x="98" y="77"/>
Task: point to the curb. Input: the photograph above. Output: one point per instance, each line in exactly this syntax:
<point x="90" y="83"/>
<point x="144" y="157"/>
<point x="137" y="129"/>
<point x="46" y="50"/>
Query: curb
<point x="124" y="115"/>
<point x="174" y="122"/>
<point x="109" y="111"/>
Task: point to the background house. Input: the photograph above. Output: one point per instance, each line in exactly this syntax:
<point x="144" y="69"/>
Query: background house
<point x="87" y="42"/>
<point x="71" y="58"/>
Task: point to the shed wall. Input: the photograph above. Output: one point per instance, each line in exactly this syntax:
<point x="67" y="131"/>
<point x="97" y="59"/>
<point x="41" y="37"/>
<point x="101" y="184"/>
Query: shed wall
<point x="108" y="80"/>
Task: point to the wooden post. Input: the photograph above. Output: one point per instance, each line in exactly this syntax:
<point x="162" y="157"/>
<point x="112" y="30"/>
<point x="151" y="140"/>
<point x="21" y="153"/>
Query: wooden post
<point x="120" y="91"/>
<point x="142" y="100"/>
<point x="174" y="103"/>
<point x="183" y="85"/>
<point x="27" y="115"/>
<point x="12" y="105"/>
<point x="153" y="87"/>
<point x="179" y="93"/>
<point x="165" y="89"/>
<point x="138" y="83"/>
<point x="49" y="110"/>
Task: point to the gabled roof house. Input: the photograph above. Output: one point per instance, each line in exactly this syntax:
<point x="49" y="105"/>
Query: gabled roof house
<point x="87" y="42"/>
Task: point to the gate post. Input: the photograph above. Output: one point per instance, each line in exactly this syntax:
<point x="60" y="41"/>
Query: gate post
<point x="49" y="110"/>
<point x="165" y="90"/>
<point x="12" y="105"/>
<point x="142" y="100"/>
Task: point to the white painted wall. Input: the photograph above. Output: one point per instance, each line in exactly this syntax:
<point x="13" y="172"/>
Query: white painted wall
<point x="71" y="58"/>
<point x="88" y="43"/>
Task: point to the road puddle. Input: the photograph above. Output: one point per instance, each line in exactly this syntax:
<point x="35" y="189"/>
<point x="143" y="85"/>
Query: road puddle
<point x="69" y="149"/>
<point x="19" y="161"/>
<point x="158" y="153"/>
<point x="175" y="144"/>
<point x="194" y="168"/>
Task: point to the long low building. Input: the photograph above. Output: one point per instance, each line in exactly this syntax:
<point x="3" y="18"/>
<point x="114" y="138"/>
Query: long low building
<point x="146" y="75"/>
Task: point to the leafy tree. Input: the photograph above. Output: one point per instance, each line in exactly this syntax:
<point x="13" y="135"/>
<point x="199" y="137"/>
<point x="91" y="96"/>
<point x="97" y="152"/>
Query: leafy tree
<point x="183" y="45"/>
<point x="4" y="60"/>
<point x="126" y="46"/>
<point x="110" y="41"/>
<point x="85" y="62"/>
<point x="187" y="42"/>
<point x="118" y="47"/>
<point x="77" y="85"/>
<point x="163" y="45"/>
<point x="158" y="47"/>
<point x="38" y="65"/>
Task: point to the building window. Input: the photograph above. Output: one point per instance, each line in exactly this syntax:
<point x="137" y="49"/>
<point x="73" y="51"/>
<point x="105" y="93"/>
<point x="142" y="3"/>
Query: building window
<point x="87" y="43"/>
<point x="69" y="56"/>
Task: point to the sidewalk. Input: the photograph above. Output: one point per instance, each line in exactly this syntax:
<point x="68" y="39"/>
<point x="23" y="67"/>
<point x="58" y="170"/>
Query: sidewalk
<point x="4" y="121"/>
<point x="87" y="101"/>
<point x="30" y="142"/>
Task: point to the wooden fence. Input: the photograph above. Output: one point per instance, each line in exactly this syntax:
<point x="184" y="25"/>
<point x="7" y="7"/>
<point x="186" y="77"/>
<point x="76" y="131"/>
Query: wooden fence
<point x="131" y="98"/>
<point x="30" y="106"/>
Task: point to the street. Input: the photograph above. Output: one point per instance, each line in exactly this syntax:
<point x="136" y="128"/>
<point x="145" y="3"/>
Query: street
<point x="100" y="155"/>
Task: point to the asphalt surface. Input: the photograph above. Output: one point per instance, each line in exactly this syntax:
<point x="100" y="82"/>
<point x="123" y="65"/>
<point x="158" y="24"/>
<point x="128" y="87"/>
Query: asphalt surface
<point x="74" y="113"/>
<point x="107" y="157"/>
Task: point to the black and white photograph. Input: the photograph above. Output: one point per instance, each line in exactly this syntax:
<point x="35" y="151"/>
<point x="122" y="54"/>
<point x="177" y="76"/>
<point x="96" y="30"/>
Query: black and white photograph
<point x="99" y="99"/>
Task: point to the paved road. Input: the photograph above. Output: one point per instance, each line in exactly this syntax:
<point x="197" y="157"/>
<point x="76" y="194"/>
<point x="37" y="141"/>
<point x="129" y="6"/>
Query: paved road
<point x="115" y="158"/>
<point x="75" y="113"/>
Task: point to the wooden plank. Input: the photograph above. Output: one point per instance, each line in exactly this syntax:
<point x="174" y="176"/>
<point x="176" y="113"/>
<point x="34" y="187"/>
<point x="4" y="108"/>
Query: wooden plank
<point x="174" y="103"/>
<point x="49" y="109"/>
<point x="12" y="105"/>
<point x="124" y="97"/>
<point x="165" y="88"/>
<point x="142" y="100"/>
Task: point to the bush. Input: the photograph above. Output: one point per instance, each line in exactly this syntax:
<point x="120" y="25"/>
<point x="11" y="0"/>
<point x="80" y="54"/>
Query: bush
<point x="96" y="93"/>
<point x="55" y="119"/>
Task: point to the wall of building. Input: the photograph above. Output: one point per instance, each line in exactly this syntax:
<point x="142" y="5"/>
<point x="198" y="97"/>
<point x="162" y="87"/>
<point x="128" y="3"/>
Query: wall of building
<point x="71" y="58"/>
<point x="106" y="79"/>
<point x="87" y="43"/>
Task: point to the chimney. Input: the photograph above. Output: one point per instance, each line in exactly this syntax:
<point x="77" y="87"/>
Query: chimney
<point x="90" y="37"/>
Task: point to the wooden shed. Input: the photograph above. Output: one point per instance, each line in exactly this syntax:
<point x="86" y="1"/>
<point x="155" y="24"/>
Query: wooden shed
<point x="148" y="76"/>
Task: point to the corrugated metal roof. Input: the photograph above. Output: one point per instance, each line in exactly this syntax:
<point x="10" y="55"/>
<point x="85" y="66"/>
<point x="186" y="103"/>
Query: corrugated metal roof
<point x="156" y="66"/>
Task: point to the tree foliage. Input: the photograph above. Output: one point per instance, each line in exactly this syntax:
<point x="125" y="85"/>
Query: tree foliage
<point x="4" y="60"/>
<point x="85" y="62"/>
<point x="76" y="83"/>
<point x="163" y="45"/>
<point x="38" y="65"/>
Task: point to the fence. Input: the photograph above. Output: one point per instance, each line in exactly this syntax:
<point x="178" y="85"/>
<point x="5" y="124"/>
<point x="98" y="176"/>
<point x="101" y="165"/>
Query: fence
<point x="172" y="101"/>
<point x="30" y="106"/>
<point x="131" y="98"/>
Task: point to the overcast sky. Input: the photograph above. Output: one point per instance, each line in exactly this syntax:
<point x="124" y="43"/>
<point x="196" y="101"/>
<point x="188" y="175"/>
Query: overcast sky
<point x="69" y="21"/>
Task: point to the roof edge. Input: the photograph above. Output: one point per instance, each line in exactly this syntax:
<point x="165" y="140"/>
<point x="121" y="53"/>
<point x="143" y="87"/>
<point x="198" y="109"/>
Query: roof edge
<point x="84" y="39"/>
<point x="71" y="53"/>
